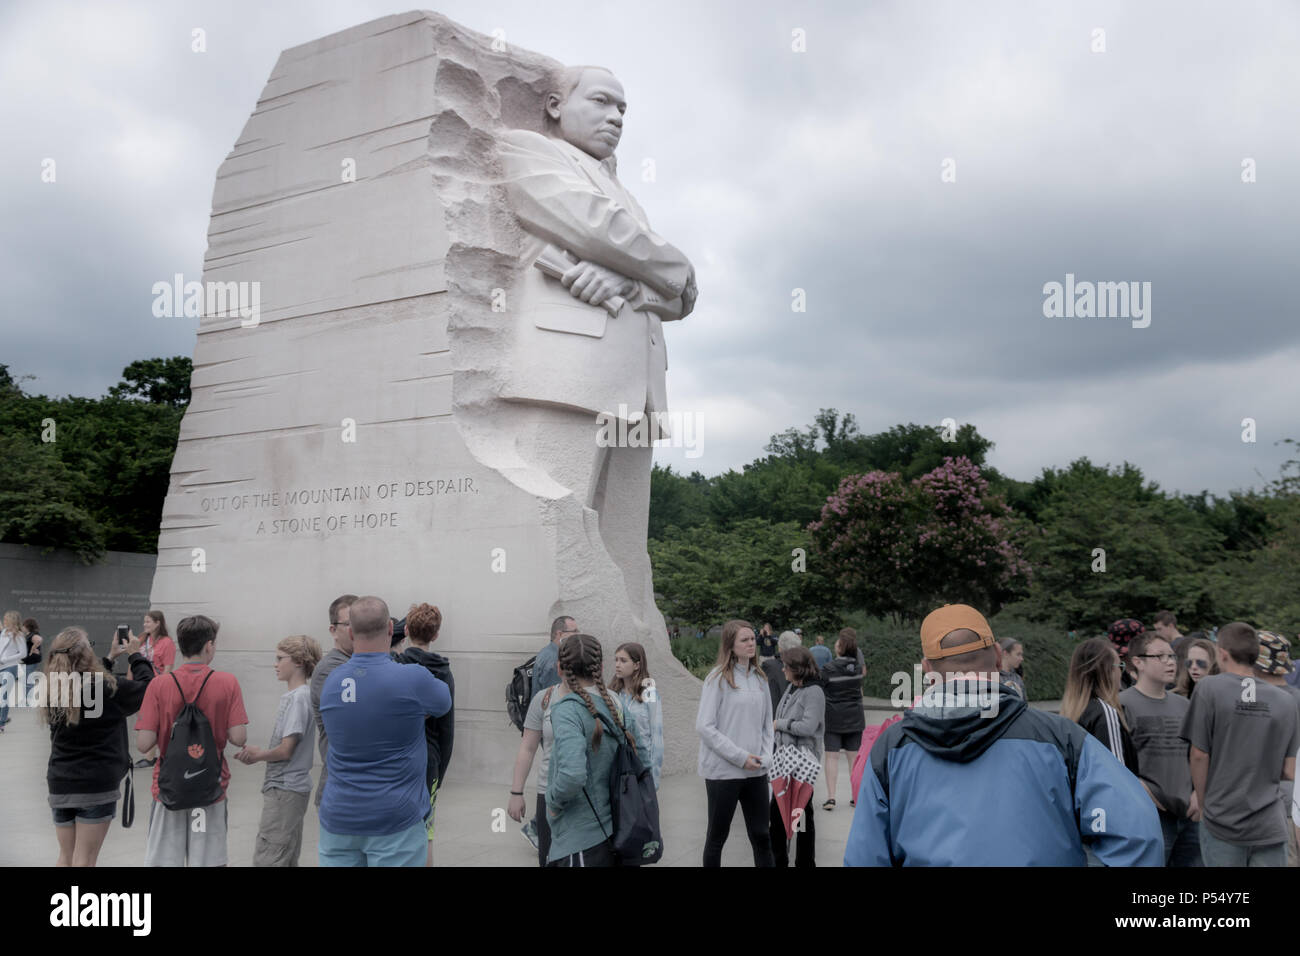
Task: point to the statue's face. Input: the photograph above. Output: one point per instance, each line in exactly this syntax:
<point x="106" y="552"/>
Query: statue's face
<point x="592" y="117"/>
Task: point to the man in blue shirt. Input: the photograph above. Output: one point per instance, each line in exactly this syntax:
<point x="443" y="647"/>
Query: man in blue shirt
<point x="821" y="653"/>
<point x="374" y="708"/>
<point x="546" y="672"/>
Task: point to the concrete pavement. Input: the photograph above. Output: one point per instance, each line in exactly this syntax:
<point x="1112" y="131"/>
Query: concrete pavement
<point x="469" y="815"/>
<point x="465" y="833"/>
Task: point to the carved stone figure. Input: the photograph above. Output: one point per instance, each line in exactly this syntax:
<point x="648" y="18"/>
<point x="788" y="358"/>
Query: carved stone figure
<point x="595" y="285"/>
<point x="414" y="415"/>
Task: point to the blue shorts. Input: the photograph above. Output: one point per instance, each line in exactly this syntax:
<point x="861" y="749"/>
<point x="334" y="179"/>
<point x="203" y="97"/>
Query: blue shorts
<point x="407" y="847"/>
<point x="68" y="816"/>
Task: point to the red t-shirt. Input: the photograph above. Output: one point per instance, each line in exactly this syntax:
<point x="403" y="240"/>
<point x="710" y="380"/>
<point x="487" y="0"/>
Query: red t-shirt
<point x="222" y="703"/>
<point x="164" y="655"/>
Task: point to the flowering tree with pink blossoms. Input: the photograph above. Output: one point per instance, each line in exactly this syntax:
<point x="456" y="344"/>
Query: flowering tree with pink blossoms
<point x="904" y="548"/>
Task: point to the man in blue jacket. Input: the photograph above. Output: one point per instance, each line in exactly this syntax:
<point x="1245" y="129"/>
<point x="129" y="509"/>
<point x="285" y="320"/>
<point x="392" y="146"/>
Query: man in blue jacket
<point x="974" y="777"/>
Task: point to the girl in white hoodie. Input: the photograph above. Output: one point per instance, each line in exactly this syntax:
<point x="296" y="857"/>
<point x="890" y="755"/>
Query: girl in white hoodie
<point x="735" y="728"/>
<point x="13" y="648"/>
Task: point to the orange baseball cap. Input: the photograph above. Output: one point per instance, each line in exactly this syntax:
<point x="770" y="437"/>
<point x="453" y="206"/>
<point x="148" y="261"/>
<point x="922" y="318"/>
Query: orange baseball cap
<point x="953" y="617"/>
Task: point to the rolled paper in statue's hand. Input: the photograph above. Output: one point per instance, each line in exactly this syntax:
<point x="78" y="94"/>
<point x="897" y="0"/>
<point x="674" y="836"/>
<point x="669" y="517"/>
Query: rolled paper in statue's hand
<point x="555" y="262"/>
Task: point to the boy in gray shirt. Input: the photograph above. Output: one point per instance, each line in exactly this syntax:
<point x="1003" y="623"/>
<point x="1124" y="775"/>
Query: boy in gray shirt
<point x="1155" y="718"/>
<point x="1244" y="735"/>
<point x="286" y="790"/>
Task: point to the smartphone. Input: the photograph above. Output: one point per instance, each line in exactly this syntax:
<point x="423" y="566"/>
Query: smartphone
<point x="122" y="631"/>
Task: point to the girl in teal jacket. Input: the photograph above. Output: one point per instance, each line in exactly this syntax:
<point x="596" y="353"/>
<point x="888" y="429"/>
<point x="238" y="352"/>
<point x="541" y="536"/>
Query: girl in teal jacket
<point x="582" y="759"/>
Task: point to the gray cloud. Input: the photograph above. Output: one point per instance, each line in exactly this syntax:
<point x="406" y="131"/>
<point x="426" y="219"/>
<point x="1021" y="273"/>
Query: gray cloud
<point x="776" y="170"/>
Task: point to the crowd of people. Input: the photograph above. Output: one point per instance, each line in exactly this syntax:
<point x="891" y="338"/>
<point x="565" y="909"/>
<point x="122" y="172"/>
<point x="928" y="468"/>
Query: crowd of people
<point x="570" y="667"/>
<point x="1211" y="728"/>
<point x="20" y="644"/>
<point x="385" y="733"/>
<point x="1169" y="749"/>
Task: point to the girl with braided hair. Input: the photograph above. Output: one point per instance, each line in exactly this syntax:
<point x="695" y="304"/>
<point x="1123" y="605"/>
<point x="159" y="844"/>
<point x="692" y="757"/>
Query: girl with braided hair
<point x="582" y="759"/>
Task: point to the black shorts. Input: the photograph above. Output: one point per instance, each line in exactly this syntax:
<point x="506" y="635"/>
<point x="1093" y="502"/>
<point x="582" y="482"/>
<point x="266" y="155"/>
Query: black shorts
<point x="602" y="854"/>
<point x="837" y="742"/>
<point x="68" y="816"/>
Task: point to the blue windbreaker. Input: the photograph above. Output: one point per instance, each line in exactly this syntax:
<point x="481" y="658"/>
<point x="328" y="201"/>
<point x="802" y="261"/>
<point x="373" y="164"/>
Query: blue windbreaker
<point x="960" y="786"/>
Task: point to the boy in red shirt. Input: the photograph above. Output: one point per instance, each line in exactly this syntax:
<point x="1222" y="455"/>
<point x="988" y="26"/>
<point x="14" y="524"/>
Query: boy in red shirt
<point x="195" y="836"/>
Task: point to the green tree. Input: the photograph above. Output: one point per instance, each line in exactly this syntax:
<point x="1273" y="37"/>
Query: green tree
<point x="676" y="500"/>
<point x="161" y="381"/>
<point x="1258" y="584"/>
<point x="804" y="467"/>
<point x="912" y="450"/>
<point x="705" y="575"/>
<point x="38" y="500"/>
<point x="901" y="548"/>
<point x="1157" y="551"/>
<point x="779" y="489"/>
<point x="90" y="474"/>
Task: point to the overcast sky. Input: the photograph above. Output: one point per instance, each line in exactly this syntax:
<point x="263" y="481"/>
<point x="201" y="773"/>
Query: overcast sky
<point x="776" y="170"/>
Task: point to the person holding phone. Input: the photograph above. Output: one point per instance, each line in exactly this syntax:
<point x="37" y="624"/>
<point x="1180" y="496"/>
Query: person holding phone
<point x="33" y="659"/>
<point x="89" y="750"/>
<point x="160" y="651"/>
<point x="736" y="735"/>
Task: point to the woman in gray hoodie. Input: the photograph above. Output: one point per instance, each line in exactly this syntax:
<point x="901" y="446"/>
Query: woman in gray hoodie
<point x="735" y="728"/>
<point x="800" y="722"/>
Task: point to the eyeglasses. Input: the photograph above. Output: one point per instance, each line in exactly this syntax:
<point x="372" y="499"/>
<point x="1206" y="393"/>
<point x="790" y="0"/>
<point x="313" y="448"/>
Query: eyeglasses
<point x="1199" y="665"/>
<point x="1159" y="657"/>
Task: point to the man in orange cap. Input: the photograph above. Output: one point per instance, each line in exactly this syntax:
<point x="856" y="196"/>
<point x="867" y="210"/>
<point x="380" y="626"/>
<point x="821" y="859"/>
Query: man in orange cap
<point x="973" y="776"/>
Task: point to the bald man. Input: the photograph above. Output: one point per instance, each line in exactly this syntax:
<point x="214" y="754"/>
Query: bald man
<point x="374" y="709"/>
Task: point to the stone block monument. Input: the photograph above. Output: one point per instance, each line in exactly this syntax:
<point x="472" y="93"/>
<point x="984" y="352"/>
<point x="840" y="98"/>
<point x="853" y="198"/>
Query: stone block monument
<point x="455" y="291"/>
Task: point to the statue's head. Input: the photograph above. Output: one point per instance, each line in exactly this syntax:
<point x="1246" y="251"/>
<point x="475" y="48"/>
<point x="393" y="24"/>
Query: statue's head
<point x="585" y="106"/>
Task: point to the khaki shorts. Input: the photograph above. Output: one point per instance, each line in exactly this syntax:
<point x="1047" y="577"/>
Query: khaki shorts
<point x="279" y="835"/>
<point x="187" y="837"/>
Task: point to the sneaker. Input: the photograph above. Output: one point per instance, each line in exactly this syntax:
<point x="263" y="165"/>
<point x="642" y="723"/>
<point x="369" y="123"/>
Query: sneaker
<point x="142" y="763"/>
<point x="529" y="830"/>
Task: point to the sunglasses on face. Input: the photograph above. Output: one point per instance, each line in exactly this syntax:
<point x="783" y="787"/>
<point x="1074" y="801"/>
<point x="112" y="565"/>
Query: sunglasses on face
<point x="1199" y="665"/>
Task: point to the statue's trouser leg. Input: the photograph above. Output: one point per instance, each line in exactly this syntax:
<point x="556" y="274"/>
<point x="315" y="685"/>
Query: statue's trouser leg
<point x="622" y="497"/>
<point x="614" y="481"/>
<point x="560" y="443"/>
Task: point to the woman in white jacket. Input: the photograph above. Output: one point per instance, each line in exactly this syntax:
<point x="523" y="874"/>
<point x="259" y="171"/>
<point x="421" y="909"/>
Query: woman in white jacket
<point x="13" y="648"/>
<point x="735" y="728"/>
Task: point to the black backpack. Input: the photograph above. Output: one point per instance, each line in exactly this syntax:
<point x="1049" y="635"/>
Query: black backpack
<point x="633" y="804"/>
<point x="519" y="693"/>
<point x="190" y="773"/>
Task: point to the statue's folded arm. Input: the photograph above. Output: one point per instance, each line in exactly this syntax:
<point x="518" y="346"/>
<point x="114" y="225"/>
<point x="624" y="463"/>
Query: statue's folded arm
<point x="551" y="201"/>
